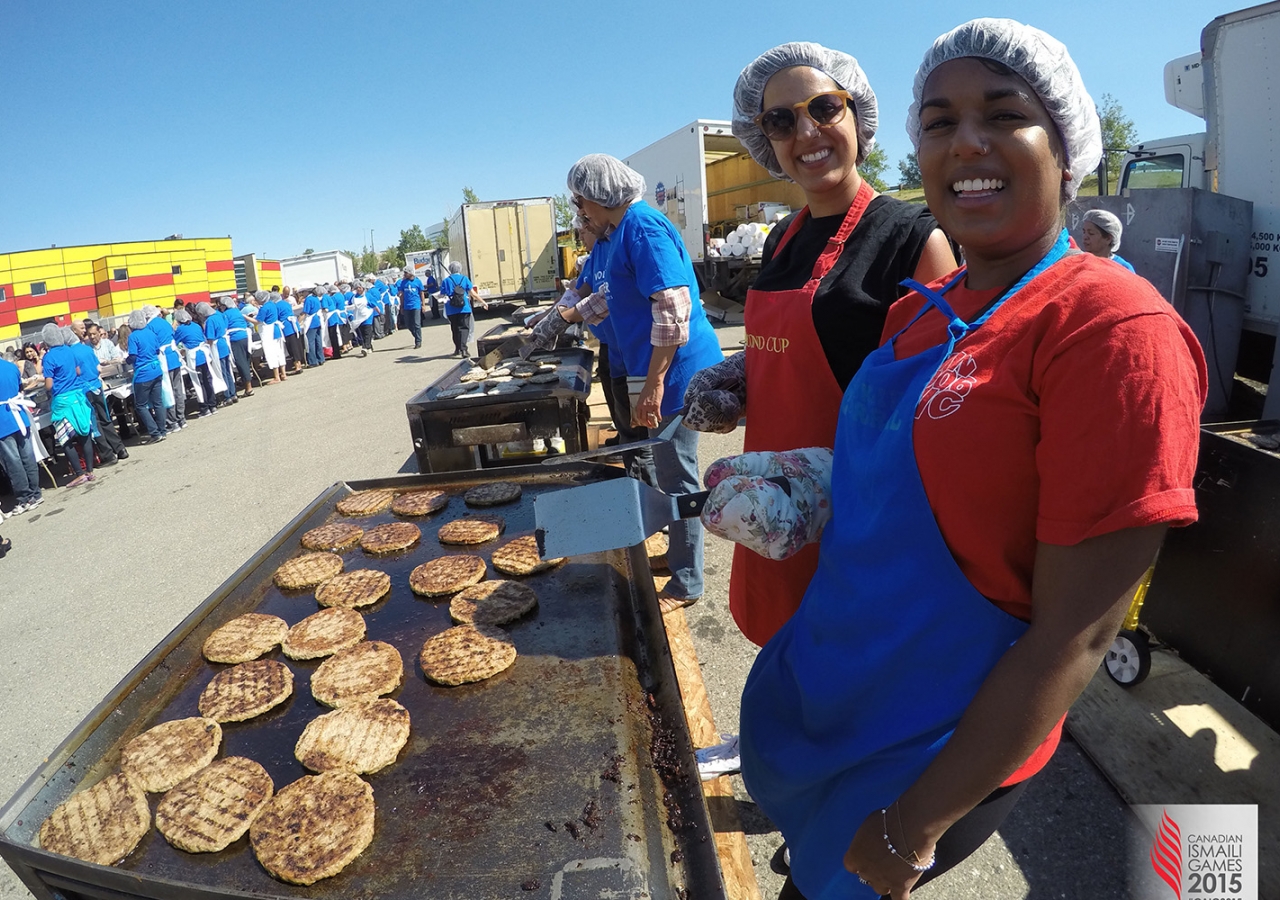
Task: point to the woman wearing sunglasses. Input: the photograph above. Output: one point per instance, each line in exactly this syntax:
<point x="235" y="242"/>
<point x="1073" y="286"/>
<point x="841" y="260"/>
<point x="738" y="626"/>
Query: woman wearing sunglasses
<point x="808" y="114"/>
<point x="1006" y="464"/>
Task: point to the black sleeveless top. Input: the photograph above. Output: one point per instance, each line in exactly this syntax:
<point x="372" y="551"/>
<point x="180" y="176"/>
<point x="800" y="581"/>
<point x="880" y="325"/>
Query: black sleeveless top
<point x="853" y="299"/>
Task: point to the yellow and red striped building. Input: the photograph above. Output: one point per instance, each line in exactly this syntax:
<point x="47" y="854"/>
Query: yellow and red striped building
<point x="55" y="285"/>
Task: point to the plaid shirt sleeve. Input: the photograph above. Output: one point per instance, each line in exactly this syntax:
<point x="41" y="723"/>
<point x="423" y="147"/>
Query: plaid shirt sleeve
<point x="671" y="310"/>
<point x="593" y="308"/>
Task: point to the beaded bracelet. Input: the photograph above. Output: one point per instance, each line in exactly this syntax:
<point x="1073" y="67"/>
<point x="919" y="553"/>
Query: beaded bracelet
<point x="913" y="859"/>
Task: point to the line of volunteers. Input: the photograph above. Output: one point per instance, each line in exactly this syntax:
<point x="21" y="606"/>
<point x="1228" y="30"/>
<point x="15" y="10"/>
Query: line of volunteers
<point x="982" y="458"/>
<point x="165" y="350"/>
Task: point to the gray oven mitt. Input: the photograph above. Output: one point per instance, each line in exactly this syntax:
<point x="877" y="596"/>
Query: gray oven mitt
<point x="717" y="396"/>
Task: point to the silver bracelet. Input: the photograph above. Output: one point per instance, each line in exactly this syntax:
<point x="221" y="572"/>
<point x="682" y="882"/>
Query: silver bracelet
<point x="911" y="860"/>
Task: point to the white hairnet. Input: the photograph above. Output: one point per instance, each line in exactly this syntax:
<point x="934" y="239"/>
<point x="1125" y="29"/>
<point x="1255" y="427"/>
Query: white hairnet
<point x="1107" y="223"/>
<point x="137" y="319"/>
<point x="843" y="69"/>
<point x="275" y="297"/>
<point x="455" y="268"/>
<point x="1043" y="63"/>
<point x="52" y="335"/>
<point x="606" y="180"/>
<point x="204" y="309"/>
<point x="150" y="311"/>
<point x="182" y="317"/>
<point x="70" y="334"/>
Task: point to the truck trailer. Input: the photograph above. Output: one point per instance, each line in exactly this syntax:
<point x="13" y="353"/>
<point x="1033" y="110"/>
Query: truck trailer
<point x="326" y="267"/>
<point x="507" y="247"/>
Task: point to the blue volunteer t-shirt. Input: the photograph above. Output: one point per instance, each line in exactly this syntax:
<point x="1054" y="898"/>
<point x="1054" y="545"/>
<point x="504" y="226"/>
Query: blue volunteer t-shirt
<point x="410" y="289"/>
<point x="646" y="256"/>
<point x="237" y="324"/>
<point x="189" y="335"/>
<point x="164" y="334"/>
<point x="87" y="360"/>
<point x="451" y="284"/>
<point x="11" y="386"/>
<point x="60" y="365"/>
<point x="593" y="275"/>
<point x="215" y="330"/>
<point x="284" y="310"/>
<point x="144" y="350"/>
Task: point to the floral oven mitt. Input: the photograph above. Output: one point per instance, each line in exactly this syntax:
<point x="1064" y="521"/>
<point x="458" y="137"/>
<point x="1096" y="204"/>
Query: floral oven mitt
<point x="745" y="508"/>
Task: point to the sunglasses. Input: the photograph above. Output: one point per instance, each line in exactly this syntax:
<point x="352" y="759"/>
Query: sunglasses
<point x="827" y="108"/>
<point x="577" y="201"/>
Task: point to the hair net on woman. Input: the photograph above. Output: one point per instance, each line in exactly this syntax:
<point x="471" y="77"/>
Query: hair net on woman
<point x="843" y="69"/>
<point x="182" y="317"/>
<point x="137" y="319"/>
<point x="1043" y="63"/>
<point x="69" y="334"/>
<point x="606" y="180"/>
<point x="275" y="296"/>
<point x="52" y="335"/>
<point x="1108" y="224"/>
<point x="150" y="312"/>
<point x="455" y="268"/>
<point x="204" y="309"/>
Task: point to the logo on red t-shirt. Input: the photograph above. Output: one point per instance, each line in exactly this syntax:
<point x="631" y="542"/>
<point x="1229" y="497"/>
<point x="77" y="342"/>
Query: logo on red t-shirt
<point x="949" y="387"/>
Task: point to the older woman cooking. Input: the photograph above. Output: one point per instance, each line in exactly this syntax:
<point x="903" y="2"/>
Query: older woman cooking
<point x="1005" y="467"/>
<point x="651" y="297"/>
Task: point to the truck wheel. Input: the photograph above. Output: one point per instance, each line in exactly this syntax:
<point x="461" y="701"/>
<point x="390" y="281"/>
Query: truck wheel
<point x="1129" y="660"/>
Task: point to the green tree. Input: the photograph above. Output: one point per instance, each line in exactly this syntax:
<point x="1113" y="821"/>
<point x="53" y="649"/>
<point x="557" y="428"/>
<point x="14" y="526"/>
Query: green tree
<point x="308" y="252"/>
<point x="1118" y="134"/>
<point x="367" y="262"/>
<point x="442" y="237"/>
<point x="564" y="212"/>
<point x="410" y="239"/>
<point x="469" y="196"/>
<point x="909" y="172"/>
<point x="873" y="168"/>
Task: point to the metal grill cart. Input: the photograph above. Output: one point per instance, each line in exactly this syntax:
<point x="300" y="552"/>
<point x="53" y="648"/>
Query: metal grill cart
<point x="486" y="430"/>
<point x="570" y="774"/>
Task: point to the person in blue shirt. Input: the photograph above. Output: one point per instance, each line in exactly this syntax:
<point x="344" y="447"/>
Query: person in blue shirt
<point x="271" y="333"/>
<point x="292" y="332"/>
<point x="458" y="293"/>
<point x="215" y="332"/>
<point x="409" y="289"/>
<point x="610" y="368"/>
<point x="107" y="440"/>
<point x="431" y="288"/>
<point x="313" y="325"/>
<point x="175" y="417"/>
<point x="199" y="359"/>
<point x="1100" y="235"/>
<point x="17" y="453"/>
<point x="144" y="354"/>
<point x="650" y="293"/>
<point x="238" y="330"/>
<point x="335" y="315"/>
<point x="390" y="301"/>
<point x="72" y="418"/>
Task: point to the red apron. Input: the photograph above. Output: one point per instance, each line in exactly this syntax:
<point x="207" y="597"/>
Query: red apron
<point x="793" y="400"/>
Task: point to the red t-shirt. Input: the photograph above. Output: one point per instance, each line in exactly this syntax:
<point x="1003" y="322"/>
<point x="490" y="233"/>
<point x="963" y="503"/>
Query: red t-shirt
<point x="1074" y="411"/>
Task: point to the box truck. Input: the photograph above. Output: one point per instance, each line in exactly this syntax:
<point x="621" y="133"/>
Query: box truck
<point x="326" y="267"/>
<point x="507" y="247"/>
<point x="1234" y="84"/>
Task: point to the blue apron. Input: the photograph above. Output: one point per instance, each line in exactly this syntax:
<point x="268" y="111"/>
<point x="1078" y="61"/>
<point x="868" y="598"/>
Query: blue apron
<point x="853" y="698"/>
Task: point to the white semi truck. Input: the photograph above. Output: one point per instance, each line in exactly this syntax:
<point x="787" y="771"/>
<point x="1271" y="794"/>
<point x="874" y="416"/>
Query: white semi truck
<point x="1234" y="84"/>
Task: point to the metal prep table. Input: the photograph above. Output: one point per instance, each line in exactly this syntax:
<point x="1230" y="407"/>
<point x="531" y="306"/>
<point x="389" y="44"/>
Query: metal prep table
<point x="497" y="777"/>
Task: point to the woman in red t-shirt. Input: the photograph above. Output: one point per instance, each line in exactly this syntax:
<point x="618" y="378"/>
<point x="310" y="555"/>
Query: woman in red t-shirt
<point x="1005" y="467"/>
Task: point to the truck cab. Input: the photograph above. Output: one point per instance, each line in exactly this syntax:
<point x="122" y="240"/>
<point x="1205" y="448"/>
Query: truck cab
<point x="1173" y="162"/>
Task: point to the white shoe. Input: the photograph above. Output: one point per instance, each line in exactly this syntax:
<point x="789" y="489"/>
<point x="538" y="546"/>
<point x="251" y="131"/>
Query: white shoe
<point x="722" y="759"/>
<point x="786" y="856"/>
<point x="17" y="510"/>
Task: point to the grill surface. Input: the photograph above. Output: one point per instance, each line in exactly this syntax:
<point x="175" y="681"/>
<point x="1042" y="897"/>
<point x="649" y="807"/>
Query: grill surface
<point x="572" y="770"/>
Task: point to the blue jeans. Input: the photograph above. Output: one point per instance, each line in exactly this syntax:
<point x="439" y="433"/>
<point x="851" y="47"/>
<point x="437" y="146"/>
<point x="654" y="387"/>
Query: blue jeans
<point x="677" y="473"/>
<point x="413" y="318"/>
<point x="315" y="347"/>
<point x="148" y="403"/>
<point x="19" y="461"/>
<point x="226" y="377"/>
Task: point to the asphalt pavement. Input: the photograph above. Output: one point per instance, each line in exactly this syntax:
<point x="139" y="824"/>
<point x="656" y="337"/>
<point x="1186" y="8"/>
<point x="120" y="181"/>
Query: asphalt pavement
<point x="100" y="574"/>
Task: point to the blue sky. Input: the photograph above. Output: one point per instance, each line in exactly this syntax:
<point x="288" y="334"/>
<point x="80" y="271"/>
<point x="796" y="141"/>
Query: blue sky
<point x="291" y="126"/>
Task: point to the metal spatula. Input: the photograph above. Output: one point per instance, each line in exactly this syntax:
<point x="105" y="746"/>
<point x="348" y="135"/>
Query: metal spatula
<point x="610" y="515"/>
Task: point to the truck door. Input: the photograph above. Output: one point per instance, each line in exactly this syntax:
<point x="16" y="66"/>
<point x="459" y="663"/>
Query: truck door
<point x="507" y="245"/>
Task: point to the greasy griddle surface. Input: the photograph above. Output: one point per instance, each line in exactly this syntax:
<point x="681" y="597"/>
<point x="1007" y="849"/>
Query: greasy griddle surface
<point x="463" y="812"/>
